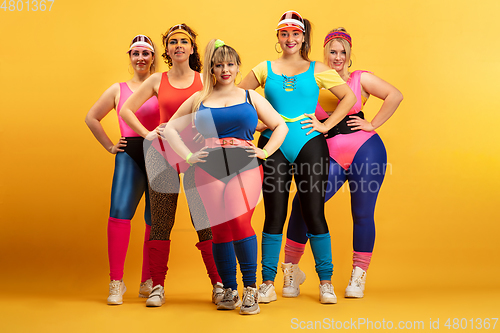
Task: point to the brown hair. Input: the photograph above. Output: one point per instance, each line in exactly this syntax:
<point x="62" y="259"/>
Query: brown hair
<point x="152" y="67"/>
<point x="305" y="49"/>
<point x="194" y="59"/>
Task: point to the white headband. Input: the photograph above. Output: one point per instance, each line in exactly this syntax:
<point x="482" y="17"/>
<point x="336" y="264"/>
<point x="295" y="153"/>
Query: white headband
<point x="292" y="22"/>
<point x="141" y="44"/>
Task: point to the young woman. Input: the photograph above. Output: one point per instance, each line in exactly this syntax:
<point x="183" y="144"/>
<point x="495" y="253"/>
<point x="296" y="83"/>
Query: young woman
<point x="291" y="84"/>
<point x="163" y="168"/>
<point x="129" y="179"/>
<point x="357" y="155"/>
<point x="228" y="175"/>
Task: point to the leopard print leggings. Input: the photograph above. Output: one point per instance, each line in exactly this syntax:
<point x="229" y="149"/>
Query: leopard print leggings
<point x="164" y="186"/>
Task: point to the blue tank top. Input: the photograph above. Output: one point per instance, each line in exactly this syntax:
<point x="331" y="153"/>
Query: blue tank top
<point x="235" y="121"/>
<point x="292" y="96"/>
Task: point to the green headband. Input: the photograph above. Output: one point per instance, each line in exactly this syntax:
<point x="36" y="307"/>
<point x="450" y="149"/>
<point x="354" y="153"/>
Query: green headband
<point x="218" y="43"/>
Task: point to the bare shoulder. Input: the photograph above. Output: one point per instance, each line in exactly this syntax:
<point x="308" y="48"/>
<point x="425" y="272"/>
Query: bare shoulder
<point x="254" y="95"/>
<point x="368" y="76"/>
<point x="368" y="79"/>
<point x="115" y="87"/>
<point x="113" y="91"/>
<point x="155" y="77"/>
<point x="320" y="67"/>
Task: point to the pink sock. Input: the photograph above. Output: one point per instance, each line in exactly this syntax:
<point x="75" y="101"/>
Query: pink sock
<point x="118" y="238"/>
<point x="293" y="251"/>
<point x="146" y="274"/>
<point x="361" y="259"/>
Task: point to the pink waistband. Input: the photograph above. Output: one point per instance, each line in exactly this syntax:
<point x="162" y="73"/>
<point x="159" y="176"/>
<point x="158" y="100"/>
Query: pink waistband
<point x="227" y="142"/>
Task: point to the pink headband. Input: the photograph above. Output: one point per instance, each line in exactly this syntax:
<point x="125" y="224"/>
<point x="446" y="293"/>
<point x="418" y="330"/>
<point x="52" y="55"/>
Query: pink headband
<point x="337" y="34"/>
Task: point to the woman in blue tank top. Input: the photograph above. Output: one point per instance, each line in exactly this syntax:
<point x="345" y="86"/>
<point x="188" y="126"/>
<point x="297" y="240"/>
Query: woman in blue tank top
<point x="228" y="173"/>
<point x="291" y="84"/>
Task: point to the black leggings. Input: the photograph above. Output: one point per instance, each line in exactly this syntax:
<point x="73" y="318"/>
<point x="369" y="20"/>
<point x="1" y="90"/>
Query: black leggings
<point x="310" y="170"/>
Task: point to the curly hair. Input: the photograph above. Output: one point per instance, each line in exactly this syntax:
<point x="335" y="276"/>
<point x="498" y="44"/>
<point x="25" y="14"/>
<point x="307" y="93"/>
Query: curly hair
<point x="194" y="59"/>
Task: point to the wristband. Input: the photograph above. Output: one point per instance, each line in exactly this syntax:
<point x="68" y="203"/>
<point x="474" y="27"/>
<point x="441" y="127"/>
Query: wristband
<point x="188" y="157"/>
<point x="266" y="154"/>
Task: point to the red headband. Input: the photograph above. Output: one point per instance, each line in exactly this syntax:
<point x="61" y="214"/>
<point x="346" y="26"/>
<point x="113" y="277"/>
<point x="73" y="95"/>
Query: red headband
<point x="337" y="34"/>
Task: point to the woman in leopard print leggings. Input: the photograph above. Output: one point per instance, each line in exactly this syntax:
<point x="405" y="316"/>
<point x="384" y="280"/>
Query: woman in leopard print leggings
<point x="163" y="165"/>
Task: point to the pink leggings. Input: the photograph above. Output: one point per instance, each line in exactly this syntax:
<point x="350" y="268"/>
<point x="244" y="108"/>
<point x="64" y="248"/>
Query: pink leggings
<point x="230" y="204"/>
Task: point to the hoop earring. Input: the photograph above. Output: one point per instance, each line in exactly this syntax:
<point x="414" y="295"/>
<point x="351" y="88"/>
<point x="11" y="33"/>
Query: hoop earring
<point x="240" y="79"/>
<point x="129" y="68"/>
<point x="276" y="49"/>
<point x="214" y="80"/>
<point x="350" y="63"/>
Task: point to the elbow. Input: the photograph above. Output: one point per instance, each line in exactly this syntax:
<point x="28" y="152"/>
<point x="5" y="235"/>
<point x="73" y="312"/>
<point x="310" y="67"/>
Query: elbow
<point x="123" y="113"/>
<point x="168" y="130"/>
<point x="88" y="120"/>
<point x="350" y="100"/>
<point x="283" y="125"/>
<point x="354" y="99"/>
<point x="285" y="128"/>
<point x="400" y="96"/>
<point x="396" y="96"/>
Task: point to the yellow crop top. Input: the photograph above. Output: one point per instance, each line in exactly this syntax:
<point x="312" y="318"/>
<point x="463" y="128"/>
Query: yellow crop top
<point x="326" y="79"/>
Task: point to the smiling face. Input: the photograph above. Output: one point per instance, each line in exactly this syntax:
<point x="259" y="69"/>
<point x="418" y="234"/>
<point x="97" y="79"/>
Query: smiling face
<point x="290" y="40"/>
<point x="179" y="48"/>
<point x="225" y="72"/>
<point x="337" y="57"/>
<point x="141" y="59"/>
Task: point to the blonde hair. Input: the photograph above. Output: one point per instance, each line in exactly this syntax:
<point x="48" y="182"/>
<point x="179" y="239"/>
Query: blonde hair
<point x="213" y="56"/>
<point x="347" y="48"/>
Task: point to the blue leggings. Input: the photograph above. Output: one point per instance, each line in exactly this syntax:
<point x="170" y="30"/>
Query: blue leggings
<point x="129" y="184"/>
<point x="365" y="177"/>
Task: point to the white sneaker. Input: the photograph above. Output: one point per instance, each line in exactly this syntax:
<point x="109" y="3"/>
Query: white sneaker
<point x="217" y="293"/>
<point x="267" y="293"/>
<point x="326" y="294"/>
<point x="293" y="277"/>
<point x="356" y="286"/>
<point x="230" y="301"/>
<point x="116" y="290"/>
<point x="250" y="304"/>
<point x="156" y="297"/>
<point x="145" y="288"/>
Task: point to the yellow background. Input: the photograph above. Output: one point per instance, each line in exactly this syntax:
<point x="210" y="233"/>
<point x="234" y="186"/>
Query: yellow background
<point x="436" y="253"/>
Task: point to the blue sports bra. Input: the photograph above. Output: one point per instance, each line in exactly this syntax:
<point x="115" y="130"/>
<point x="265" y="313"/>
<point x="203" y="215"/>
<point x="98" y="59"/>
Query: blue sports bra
<point x="235" y="121"/>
